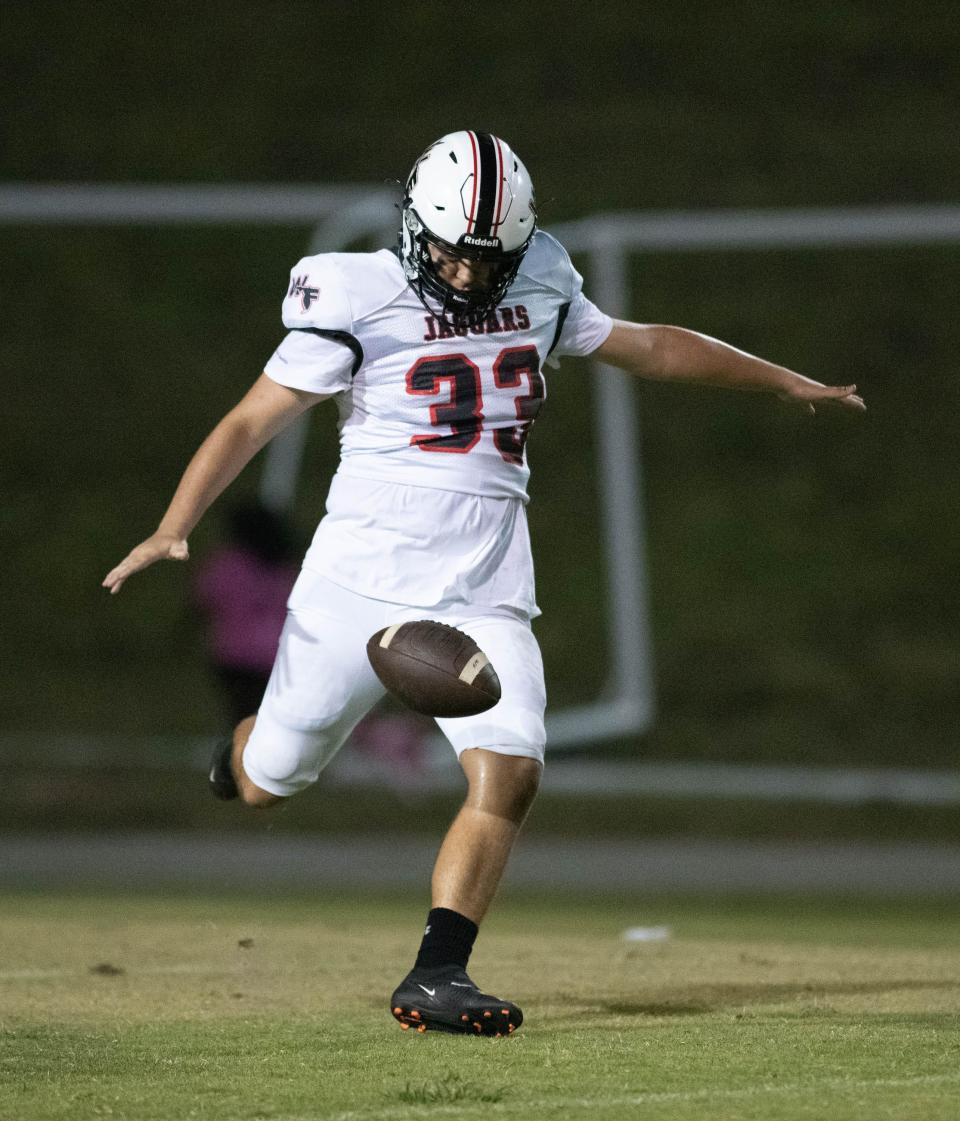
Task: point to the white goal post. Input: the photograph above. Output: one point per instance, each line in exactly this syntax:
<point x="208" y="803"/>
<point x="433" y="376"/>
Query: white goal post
<point x="341" y="216"/>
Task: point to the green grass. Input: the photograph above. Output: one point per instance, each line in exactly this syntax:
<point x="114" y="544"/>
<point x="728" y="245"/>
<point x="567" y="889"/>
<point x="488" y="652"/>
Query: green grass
<point x="160" y="1008"/>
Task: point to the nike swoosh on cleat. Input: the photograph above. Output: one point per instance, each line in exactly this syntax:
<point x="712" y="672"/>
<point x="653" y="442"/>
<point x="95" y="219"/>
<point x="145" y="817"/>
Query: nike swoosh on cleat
<point x="429" y="992"/>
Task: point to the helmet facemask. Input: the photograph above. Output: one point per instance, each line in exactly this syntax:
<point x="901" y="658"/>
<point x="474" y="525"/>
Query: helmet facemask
<point x="422" y="271"/>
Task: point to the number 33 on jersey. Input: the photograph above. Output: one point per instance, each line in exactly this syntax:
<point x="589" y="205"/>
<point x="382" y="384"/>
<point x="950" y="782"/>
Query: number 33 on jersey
<point x="426" y="400"/>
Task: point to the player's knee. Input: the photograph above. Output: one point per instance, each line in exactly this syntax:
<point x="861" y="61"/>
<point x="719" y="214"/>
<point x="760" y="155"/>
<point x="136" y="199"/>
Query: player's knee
<point x="504" y="785"/>
<point x="288" y="759"/>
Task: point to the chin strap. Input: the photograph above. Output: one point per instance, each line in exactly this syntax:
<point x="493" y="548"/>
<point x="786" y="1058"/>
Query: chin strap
<point x="470" y="317"/>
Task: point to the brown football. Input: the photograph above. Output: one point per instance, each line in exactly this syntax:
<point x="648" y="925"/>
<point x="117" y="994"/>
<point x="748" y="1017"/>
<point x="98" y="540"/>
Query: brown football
<point x="434" y="669"/>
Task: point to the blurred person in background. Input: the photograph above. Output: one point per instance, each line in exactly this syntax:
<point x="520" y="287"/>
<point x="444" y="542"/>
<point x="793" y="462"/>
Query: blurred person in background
<point x="241" y="589"/>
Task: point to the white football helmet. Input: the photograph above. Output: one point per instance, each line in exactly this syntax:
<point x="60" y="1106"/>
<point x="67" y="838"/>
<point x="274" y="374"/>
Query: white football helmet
<point x="471" y="196"/>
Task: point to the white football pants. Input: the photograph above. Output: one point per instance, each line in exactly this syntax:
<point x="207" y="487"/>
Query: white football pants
<point x="322" y="683"/>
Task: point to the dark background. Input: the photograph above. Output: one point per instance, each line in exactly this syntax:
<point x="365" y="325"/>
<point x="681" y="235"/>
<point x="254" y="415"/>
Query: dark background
<point x="803" y="572"/>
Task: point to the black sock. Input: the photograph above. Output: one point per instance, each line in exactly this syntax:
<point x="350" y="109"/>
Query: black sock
<point x="448" y="940"/>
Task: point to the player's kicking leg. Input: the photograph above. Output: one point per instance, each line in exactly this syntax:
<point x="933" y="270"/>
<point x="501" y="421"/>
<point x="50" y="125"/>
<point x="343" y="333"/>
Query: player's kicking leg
<point x="438" y="994"/>
<point x="321" y="686"/>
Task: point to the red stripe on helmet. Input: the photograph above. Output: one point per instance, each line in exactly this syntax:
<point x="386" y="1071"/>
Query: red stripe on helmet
<point x="476" y="177"/>
<point x="496" y="214"/>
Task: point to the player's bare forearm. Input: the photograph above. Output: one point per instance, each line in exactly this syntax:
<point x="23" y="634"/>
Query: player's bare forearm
<point x="216" y="463"/>
<point x="263" y="412"/>
<point x="673" y="354"/>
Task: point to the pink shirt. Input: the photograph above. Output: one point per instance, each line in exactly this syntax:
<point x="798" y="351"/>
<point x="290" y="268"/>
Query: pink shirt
<point x="244" y="600"/>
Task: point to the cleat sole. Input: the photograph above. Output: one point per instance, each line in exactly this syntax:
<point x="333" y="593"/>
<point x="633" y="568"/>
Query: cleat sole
<point x="483" y="1024"/>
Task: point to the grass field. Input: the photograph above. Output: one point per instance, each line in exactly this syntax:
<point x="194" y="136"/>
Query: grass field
<point x="148" y="1008"/>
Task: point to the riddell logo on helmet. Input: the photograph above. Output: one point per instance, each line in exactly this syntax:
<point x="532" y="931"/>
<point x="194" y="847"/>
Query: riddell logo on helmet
<point x="483" y="242"/>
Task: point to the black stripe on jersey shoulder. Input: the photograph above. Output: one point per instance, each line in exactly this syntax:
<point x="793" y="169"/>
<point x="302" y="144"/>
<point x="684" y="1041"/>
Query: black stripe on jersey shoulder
<point x="561" y="319"/>
<point x="344" y="337"/>
<point x="489" y="182"/>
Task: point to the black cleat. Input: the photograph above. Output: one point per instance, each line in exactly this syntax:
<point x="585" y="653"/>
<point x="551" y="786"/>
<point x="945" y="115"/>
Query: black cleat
<point x="222" y="783"/>
<point x="447" y="1000"/>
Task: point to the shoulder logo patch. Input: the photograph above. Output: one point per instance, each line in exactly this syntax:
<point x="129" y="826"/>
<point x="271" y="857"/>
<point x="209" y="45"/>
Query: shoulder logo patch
<point x="299" y="287"/>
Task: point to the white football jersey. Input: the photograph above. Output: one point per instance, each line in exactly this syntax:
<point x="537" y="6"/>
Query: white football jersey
<point x="427" y="506"/>
<point x="423" y="401"/>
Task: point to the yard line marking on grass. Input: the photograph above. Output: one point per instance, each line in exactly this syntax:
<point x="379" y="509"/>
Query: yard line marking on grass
<point x="33" y="974"/>
<point x="654" y="1097"/>
<point x="134" y="971"/>
<point x="166" y="970"/>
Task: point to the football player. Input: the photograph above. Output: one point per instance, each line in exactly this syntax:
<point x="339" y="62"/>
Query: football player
<point x="433" y="354"/>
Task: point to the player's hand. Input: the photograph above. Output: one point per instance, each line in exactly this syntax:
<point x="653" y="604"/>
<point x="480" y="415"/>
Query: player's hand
<point x="161" y="546"/>
<point x="808" y="395"/>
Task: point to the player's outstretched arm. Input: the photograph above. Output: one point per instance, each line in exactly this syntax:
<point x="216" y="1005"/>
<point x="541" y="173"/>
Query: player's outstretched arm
<point x="675" y="354"/>
<point x="266" y="409"/>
